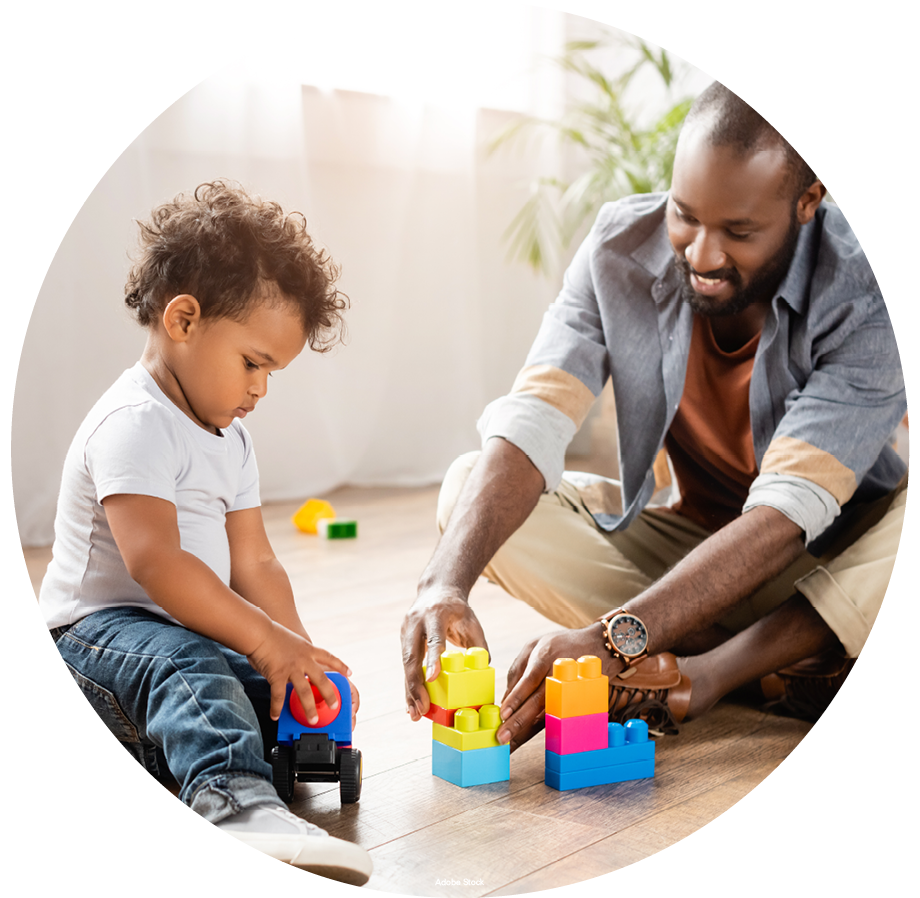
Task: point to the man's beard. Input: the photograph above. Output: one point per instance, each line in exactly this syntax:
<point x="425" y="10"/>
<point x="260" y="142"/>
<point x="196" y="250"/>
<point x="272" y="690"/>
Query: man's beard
<point x="762" y="286"/>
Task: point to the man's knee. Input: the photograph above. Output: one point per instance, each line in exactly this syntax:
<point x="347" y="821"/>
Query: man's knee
<point x="454" y="480"/>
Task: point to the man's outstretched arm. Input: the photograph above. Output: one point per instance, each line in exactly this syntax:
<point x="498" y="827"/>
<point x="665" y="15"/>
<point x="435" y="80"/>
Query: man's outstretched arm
<point x="499" y="495"/>
<point x="696" y="593"/>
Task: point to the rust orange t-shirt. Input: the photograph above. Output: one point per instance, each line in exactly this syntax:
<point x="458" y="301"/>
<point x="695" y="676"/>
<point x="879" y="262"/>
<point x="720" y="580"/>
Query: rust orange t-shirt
<point x="710" y="443"/>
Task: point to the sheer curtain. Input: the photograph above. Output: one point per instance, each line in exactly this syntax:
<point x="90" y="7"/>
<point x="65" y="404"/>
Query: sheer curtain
<point x="392" y="175"/>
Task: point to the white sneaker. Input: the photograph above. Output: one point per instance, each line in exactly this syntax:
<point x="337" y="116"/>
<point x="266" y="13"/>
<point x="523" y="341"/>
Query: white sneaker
<point x="277" y="832"/>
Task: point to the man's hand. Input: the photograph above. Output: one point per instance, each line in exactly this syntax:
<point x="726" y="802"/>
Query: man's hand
<point x="523" y="707"/>
<point x="285" y="657"/>
<point x="436" y="616"/>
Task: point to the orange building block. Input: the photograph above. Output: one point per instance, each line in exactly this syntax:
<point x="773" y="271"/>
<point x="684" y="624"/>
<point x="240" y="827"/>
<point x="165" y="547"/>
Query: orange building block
<point x="577" y="688"/>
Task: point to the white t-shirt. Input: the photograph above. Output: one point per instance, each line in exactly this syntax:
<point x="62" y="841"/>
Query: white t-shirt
<point x="136" y="441"/>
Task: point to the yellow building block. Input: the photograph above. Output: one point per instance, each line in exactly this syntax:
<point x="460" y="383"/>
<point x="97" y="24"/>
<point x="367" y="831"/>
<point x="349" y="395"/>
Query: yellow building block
<point x="465" y="681"/>
<point x="577" y="688"/>
<point x="472" y="729"/>
<point x="308" y="516"/>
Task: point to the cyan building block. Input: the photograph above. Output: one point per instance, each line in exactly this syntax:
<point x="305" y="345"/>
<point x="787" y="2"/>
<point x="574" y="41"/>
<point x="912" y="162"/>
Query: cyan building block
<point x="471" y="768"/>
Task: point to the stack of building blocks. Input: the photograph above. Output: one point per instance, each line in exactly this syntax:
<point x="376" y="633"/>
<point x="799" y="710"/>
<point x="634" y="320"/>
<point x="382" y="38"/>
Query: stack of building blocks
<point x="582" y="747"/>
<point x="464" y="750"/>
<point x="318" y="516"/>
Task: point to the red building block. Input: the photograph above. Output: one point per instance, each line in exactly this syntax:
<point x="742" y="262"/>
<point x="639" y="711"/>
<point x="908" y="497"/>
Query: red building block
<point x="444" y="716"/>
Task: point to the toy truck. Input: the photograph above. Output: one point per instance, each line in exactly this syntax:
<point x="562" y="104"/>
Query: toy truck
<point x="317" y="754"/>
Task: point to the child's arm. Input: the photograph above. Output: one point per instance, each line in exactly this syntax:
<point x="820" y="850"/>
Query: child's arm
<point x="255" y="572"/>
<point x="146" y="532"/>
<point x="258" y="576"/>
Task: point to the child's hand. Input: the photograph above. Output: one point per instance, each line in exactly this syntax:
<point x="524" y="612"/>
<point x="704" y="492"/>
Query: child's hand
<point x="355" y="702"/>
<point x="284" y="657"/>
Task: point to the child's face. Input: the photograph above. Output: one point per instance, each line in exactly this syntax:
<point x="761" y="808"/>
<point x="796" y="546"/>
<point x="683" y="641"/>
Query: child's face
<point x="224" y="368"/>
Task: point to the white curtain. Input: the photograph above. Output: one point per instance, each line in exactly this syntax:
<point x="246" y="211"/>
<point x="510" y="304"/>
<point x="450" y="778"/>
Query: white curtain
<point x="400" y="190"/>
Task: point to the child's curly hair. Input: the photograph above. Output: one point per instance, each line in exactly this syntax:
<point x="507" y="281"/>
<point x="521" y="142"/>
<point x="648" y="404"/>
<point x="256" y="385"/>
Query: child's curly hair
<point x="223" y="247"/>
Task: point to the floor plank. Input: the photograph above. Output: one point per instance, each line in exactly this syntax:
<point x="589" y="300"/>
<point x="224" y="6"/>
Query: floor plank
<point x="427" y="836"/>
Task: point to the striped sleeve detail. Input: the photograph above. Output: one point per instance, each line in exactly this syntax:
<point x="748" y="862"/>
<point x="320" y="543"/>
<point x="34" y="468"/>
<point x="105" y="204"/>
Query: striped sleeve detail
<point x="557" y="388"/>
<point x="789" y="456"/>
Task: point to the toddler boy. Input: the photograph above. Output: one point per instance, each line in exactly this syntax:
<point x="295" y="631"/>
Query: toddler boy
<point x="164" y="596"/>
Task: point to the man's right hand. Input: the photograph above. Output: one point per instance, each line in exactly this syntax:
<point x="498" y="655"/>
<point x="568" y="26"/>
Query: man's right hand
<point x="437" y="615"/>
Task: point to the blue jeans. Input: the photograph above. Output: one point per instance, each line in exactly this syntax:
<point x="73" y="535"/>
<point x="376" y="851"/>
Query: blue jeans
<point x="166" y="691"/>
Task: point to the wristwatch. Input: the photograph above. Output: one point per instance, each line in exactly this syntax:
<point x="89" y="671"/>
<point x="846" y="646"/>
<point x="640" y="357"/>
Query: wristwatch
<point x="626" y="638"/>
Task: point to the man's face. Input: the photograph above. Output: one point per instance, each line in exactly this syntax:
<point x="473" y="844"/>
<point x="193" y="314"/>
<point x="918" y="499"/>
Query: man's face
<point x="732" y="222"/>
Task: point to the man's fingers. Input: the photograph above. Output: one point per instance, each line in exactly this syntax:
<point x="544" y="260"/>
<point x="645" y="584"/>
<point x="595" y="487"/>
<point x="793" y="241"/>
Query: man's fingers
<point x="521" y="738"/>
<point x="520" y="725"/>
<point x="417" y="702"/>
<point x="530" y="682"/>
<point x="518" y="666"/>
<point x="435" y="645"/>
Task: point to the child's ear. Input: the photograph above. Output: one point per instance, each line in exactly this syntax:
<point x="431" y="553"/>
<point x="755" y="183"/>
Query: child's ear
<point x="181" y="314"/>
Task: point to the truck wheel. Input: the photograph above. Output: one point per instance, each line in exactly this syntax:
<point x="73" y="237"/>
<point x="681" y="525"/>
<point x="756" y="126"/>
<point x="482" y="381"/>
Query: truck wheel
<point x="350" y="773"/>
<point x="283" y="772"/>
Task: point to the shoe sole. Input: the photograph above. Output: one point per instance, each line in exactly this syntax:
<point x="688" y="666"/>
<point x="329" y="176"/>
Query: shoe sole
<point x="325" y="856"/>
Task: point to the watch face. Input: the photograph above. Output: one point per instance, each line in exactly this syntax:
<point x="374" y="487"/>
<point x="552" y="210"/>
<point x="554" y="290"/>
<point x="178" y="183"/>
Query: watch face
<point x="628" y="634"/>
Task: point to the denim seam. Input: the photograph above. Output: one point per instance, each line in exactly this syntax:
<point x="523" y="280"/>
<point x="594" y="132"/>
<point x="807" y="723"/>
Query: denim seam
<point x="220" y="784"/>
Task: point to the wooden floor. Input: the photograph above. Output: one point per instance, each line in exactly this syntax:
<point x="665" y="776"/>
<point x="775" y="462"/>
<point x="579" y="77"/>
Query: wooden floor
<point x="518" y="836"/>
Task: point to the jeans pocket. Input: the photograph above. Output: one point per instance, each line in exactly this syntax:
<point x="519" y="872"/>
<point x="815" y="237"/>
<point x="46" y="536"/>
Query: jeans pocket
<point x="106" y="706"/>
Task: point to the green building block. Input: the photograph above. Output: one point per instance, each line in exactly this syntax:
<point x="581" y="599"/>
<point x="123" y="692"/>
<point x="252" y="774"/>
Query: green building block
<point x="335" y="528"/>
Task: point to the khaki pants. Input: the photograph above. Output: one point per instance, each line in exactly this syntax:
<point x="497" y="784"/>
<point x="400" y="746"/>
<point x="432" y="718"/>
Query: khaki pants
<point x="564" y="566"/>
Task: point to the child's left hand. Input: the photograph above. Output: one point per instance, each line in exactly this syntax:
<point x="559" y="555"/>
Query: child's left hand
<point x="355" y="703"/>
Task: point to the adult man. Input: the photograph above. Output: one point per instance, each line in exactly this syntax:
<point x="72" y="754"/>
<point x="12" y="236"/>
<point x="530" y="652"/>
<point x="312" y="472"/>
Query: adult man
<point x="745" y="334"/>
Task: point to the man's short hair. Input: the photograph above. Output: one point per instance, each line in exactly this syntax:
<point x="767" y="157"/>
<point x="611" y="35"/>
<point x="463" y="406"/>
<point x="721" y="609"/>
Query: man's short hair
<point x="729" y="122"/>
<point x="228" y="249"/>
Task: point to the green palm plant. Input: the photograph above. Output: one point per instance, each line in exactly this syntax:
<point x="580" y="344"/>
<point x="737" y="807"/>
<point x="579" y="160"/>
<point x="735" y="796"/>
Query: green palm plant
<point x="616" y="153"/>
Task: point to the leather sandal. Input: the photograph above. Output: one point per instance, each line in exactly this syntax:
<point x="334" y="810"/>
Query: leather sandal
<point x="655" y="691"/>
<point x="804" y="690"/>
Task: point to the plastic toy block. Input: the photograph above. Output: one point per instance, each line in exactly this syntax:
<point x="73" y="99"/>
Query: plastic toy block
<point x="307" y="517"/>
<point x="335" y="528"/>
<point x="443" y="716"/>
<point x="471" y="768"/>
<point x="600" y="776"/>
<point x="337" y="724"/>
<point x="565" y="735"/>
<point x="471" y="730"/>
<point x="577" y="688"/>
<point x="465" y="680"/>
<point x="626" y="745"/>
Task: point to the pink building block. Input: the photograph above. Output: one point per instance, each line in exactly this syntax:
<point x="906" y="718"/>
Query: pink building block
<point x="567" y="735"/>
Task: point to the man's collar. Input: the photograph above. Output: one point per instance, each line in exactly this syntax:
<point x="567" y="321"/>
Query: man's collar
<point x="794" y="286"/>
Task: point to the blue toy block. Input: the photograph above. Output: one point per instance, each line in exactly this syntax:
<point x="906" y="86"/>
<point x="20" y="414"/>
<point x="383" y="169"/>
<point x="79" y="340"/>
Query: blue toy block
<point x="630" y="755"/>
<point x="474" y="767"/>
<point x="338" y="730"/>
<point x="600" y="776"/>
<point x="620" y="751"/>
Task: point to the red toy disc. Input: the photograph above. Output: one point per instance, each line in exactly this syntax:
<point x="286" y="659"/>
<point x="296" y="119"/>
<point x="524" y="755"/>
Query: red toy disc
<point x="326" y="714"/>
